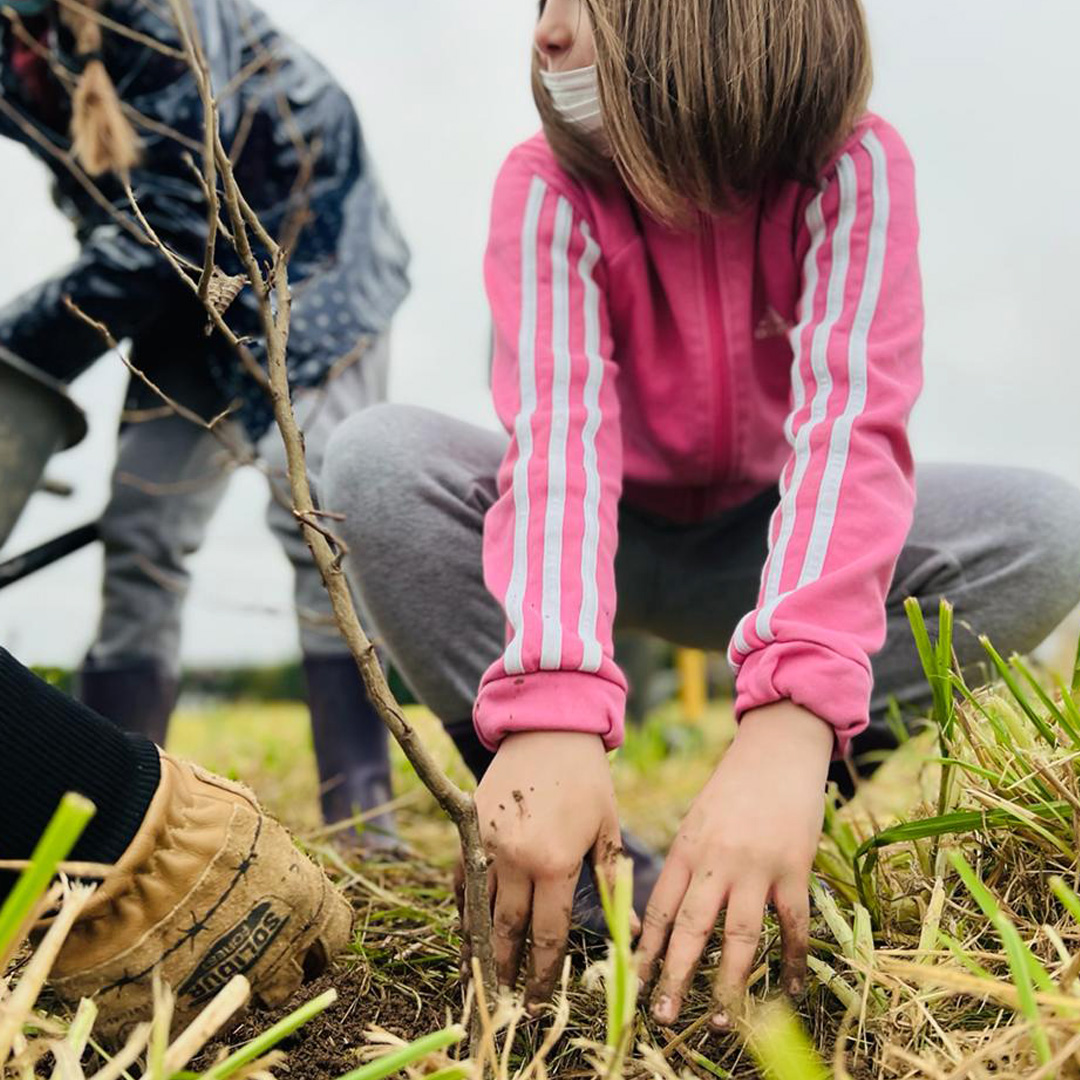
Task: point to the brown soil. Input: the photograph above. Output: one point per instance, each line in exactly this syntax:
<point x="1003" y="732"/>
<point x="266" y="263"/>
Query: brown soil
<point x="402" y="978"/>
<point x="328" y="1046"/>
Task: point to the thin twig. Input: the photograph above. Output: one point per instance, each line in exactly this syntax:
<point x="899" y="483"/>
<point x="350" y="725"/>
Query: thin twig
<point x="66" y="159"/>
<point x="197" y="62"/>
<point x="123" y="31"/>
<point x="82" y="870"/>
<point x="247" y="358"/>
<point x="240" y="452"/>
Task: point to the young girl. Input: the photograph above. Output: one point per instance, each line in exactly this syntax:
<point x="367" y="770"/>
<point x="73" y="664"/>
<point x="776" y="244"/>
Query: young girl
<point x="105" y="83"/>
<point x="706" y="293"/>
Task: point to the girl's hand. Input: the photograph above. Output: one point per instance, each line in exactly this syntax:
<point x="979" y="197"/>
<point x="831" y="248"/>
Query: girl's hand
<point x="748" y="840"/>
<point x="545" y="803"/>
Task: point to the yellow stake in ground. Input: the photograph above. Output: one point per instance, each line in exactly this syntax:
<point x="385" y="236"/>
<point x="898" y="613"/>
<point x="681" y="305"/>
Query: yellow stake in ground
<point x="693" y="682"/>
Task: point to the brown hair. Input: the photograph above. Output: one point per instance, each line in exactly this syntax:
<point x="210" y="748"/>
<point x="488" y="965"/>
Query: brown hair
<point x="102" y="136"/>
<point x="707" y="102"/>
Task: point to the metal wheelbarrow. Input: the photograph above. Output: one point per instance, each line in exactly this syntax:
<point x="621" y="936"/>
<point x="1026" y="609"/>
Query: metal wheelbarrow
<point x="37" y="419"/>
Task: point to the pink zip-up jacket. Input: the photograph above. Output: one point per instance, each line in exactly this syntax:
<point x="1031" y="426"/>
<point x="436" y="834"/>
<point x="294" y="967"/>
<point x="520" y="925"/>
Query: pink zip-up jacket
<point x="686" y="372"/>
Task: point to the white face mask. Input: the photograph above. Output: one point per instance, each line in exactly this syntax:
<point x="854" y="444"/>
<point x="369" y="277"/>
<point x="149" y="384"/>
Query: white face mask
<point x="576" y="96"/>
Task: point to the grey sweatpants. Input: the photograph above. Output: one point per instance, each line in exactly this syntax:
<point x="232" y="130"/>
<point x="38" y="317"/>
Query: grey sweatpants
<point x="1002" y="544"/>
<point x="169" y="479"/>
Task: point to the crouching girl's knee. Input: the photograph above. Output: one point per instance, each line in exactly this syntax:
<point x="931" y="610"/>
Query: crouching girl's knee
<point x="372" y="469"/>
<point x="1053" y="528"/>
<point x="359" y="461"/>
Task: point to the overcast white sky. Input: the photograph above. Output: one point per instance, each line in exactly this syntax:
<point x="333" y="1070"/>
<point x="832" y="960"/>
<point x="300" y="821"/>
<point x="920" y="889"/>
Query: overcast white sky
<point x="985" y="91"/>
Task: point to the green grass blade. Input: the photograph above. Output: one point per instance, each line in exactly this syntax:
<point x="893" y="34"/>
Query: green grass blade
<point x="968" y="767"/>
<point x="620" y="980"/>
<point x="993" y="911"/>
<point x="1076" y="672"/>
<point x="837" y="829"/>
<point x="862" y="943"/>
<point x="405" y="1056"/>
<point x="940" y="686"/>
<point x="1064" y="721"/>
<point x="1025" y="815"/>
<point x="955" y="823"/>
<point x="1001" y="732"/>
<point x="1067" y="898"/>
<point x="264" y="1043"/>
<point x="781" y="1047"/>
<point x="451" y="1072"/>
<point x="834" y="918"/>
<point x="961" y="955"/>
<point x="863" y="865"/>
<point x="702" y="1062"/>
<point x="894" y="720"/>
<point x="1017" y="954"/>
<point x="944" y="657"/>
<point x="922" y="636"/>
<point x="1025" y="968"/>
<point x="1017" y="692"/>
<point x="1067" y="702"/>
<point x="607" y="902"/>
<point x="60" y="836"/>
<point x="937" y="664"/>
<point x="862" y="949"/>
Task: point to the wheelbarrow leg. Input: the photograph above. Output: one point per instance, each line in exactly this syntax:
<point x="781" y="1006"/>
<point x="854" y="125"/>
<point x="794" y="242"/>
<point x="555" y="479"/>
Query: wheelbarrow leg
<point x="29" y="562"/>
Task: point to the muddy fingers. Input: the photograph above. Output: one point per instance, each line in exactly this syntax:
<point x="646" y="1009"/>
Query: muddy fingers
<point x="552" y="903"/>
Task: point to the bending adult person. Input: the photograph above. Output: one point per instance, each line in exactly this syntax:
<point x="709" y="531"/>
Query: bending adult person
<point x="87" y="79"/>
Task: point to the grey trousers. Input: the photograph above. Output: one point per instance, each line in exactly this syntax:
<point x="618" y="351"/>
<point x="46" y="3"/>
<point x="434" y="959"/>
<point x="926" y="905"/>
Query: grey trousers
<point x="169" y="479"/>
<point x="1002" y="544"/>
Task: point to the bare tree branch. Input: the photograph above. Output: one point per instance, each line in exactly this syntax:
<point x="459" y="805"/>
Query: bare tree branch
<point x="197" y="62"/>
<point x="229" y="215"/>
<point x="119" y="28"/>
<point x="241" y="453"/>
<point x="144" y="416"/>
<point x="250" y="70"/>
<point x="68" y="161"/>
<point x="182" y="268"/>
<point x="239" y="450"/>
<point x="274" y="300"/>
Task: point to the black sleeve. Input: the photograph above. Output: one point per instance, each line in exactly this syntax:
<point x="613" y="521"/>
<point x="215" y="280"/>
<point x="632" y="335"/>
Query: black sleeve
<point x="52" y="745"/>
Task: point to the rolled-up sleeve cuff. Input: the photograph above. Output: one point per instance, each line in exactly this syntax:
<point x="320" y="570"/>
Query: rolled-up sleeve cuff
<point x="833" y="687"/>
<point x="550" y="701"/>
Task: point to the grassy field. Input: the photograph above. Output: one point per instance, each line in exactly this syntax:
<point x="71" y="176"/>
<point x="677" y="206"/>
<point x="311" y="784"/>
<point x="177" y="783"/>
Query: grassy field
<point x="946" y="941"/>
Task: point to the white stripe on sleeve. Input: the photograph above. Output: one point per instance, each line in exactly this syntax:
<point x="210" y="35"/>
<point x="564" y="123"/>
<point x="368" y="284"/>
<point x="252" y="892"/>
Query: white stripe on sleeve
<point x="519" y="572"/>
<point x="555" y="516"/>
<point x="592" y="651"/>
<point x="738" y="646"/>
<point x="815" y="222"/>
<point x="840" y="442"/>
<point x="841" y="260"/>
